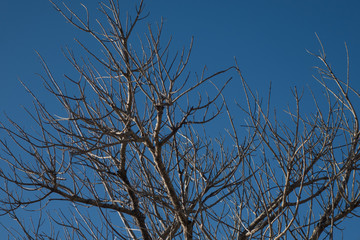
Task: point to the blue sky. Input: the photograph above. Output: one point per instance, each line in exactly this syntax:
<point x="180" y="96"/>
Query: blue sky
<point x="269" y="38"/>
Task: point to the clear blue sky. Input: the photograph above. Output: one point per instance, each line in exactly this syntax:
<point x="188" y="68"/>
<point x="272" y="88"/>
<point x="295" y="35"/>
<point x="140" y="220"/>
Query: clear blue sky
<point x="269" y="38"/>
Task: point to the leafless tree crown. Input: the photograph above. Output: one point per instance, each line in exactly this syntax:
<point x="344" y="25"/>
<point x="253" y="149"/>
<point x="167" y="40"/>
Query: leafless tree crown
<point x="129" y="159"/>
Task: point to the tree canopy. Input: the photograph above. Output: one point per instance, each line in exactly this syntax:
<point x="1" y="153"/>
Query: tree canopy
<point x="131" y="157"/>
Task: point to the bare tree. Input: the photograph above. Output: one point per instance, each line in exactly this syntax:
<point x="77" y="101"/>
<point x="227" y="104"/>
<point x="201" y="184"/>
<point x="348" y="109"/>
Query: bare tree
<point x="130" y="159"/>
